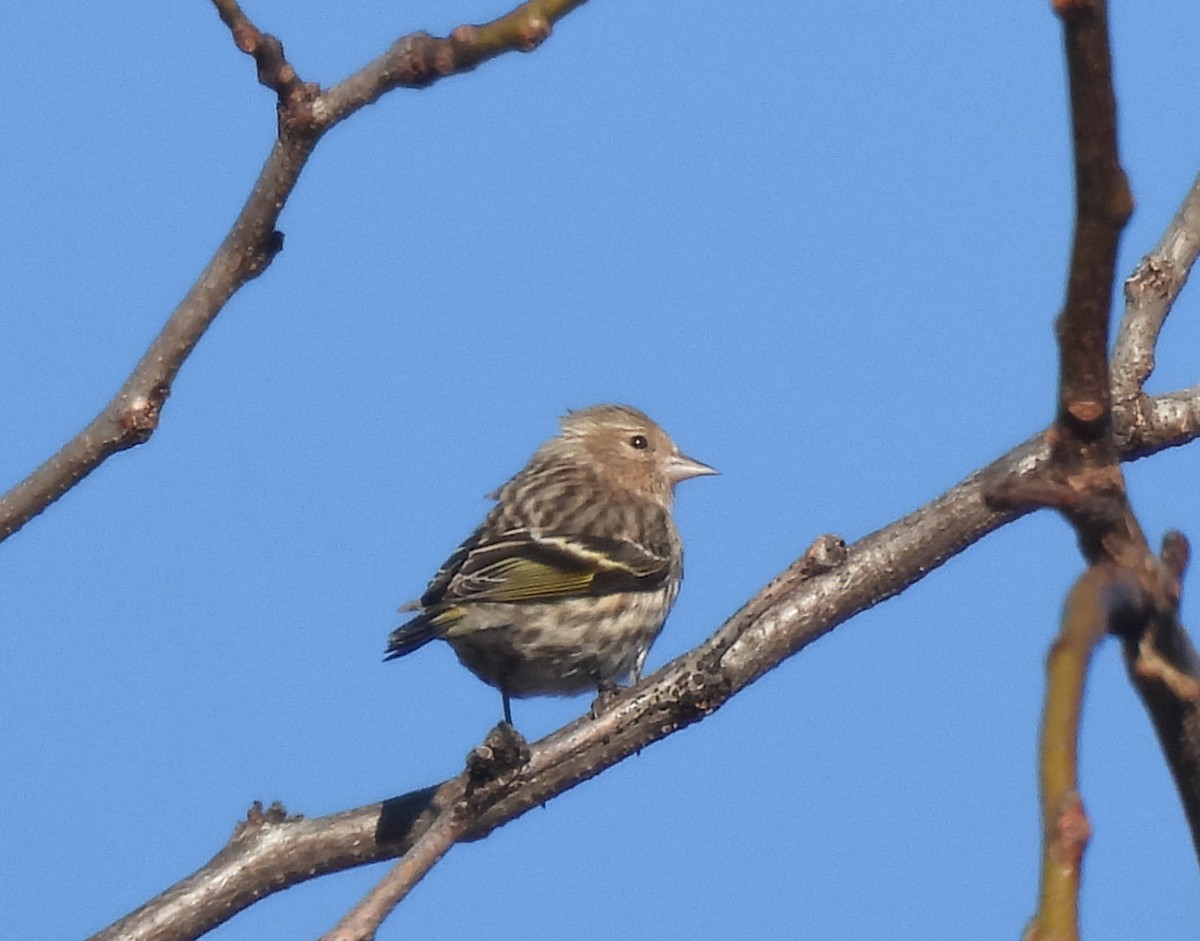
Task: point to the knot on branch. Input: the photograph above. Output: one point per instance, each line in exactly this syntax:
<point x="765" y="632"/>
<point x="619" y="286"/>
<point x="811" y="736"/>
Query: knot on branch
<point x="826" y="553"/>
<point x="418" y="60"/>
<point x="1175" y="554"/>
<point x="138" y="418"/>
<point x="1163" y="665"/>
<point x="532" y="32"/>
<point x="1072" y="831"/>
<point x="1087" y="412"/>
<point x="263" y="253"/>
<point x="1160" y="578"/>
<point x="1152" y="279"/>
<point x="699" y="694"/>
<point x="258" y="819"/>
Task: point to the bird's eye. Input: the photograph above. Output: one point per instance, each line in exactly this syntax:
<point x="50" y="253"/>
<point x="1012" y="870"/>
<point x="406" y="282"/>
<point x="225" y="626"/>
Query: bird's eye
<point x="640" y="442"/>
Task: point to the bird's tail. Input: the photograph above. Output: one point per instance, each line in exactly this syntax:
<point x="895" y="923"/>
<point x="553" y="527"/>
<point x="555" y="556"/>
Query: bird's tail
<point x="415" y="634"/>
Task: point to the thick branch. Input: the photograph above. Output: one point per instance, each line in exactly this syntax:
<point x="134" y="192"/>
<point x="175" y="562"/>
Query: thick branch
<point x="1102" y="206"/>
<point x="1161" y="660"/>
<point x="802" y="604"/>
<point x="1159" y="655"/>
<point x="1127" y="590"/>
<point x="1084" y="478"/>
<point x="1165" y="670"/>
<point x="818" y="592"/>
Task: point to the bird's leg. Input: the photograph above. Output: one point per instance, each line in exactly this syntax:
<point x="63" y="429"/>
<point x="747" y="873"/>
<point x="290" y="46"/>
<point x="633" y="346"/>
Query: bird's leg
<point x="507" y="708"/>
<point x="606" y="692"/>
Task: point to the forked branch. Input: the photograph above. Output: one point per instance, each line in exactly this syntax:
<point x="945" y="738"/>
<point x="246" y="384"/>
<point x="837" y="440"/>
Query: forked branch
<point x="305" y="115"/>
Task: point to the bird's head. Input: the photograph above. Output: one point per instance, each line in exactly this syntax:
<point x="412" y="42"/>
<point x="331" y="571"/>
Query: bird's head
<point x="628" y="450"/>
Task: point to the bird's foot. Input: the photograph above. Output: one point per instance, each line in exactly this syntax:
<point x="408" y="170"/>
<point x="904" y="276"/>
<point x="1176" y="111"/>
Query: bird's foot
<point x="504" y="750"/>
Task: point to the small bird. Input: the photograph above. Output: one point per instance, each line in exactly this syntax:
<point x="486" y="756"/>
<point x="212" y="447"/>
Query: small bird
<point x="568" y="580"/>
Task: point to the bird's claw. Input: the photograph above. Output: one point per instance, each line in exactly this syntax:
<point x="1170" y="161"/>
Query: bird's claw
<point x="504" y="750"/>
<point x="606" y="694"/>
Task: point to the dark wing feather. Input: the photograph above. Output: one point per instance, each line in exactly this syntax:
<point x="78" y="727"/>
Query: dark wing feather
<point x="525" y="565"/>
<point x="435" y="591"/>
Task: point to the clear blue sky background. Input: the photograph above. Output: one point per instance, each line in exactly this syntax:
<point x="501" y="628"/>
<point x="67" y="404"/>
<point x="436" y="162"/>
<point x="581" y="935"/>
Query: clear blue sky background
<point x="822" y="244"/>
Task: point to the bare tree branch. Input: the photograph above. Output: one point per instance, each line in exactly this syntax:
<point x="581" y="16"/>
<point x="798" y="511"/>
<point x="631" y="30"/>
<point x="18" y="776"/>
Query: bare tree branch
<point x="1164" y="667"/>
<point x="1073" y="466"/>
<point x="803" y="603"/>
<point x="364" y="919"/>
<point x="1098" y="597"/>
<point x="1102" y="206"/>
<point x="1160" y="657"/>
<point x="499" y="757"/>
<point x="1150" y="294"/>
<point x="825" y="587"/>
<point x="305" y="115"/>
<point x="1154" y="423"/>
<point x="1127" y="589"/>
<point x="274" y="70"/>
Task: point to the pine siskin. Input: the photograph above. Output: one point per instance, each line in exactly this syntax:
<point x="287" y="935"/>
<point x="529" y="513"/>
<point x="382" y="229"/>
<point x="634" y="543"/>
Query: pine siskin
<point x="569" y="579"/>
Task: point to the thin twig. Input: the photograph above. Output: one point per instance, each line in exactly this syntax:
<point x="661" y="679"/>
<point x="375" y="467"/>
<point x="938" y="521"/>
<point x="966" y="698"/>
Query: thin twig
<point x="364" y="919"/>
<point x="305" y="115"/>
<point x="1150" y="293"/>
<point x="1097" y="597"/>
<point x="491" y="769"/>
<point x="274" y="70"/>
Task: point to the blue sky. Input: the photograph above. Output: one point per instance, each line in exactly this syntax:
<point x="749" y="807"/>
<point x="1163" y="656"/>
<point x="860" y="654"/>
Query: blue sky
<point x="823" y="247"/>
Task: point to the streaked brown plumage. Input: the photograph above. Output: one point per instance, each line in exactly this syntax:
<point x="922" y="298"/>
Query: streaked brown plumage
<point x="568" y="580"/>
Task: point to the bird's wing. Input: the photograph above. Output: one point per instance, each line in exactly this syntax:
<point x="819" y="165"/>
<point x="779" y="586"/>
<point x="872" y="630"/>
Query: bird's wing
<point x="435" y="591"/>
<point x="528" y="565"/>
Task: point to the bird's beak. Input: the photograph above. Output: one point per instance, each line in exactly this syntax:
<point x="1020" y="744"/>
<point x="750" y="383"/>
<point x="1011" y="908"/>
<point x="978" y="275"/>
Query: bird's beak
<point x="683" y="467"/>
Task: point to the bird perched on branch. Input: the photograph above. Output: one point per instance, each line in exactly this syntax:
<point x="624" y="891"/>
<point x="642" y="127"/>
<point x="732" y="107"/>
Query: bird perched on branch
<point x="567" y="582"/>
